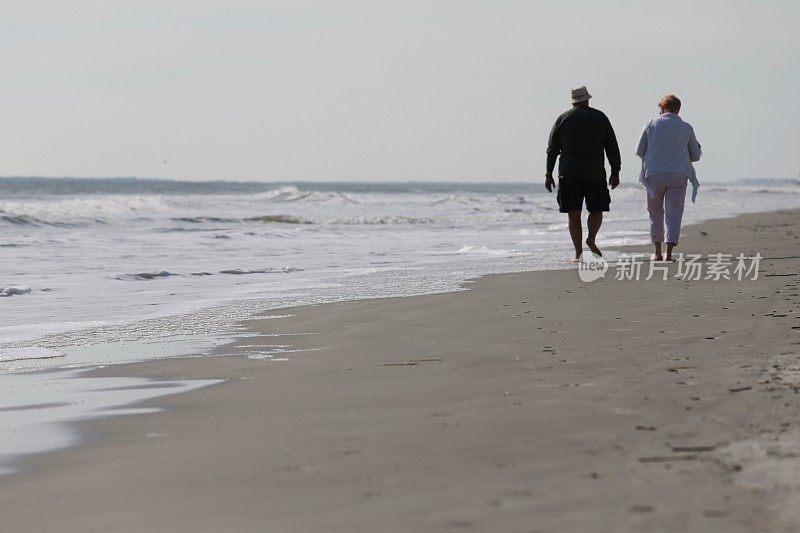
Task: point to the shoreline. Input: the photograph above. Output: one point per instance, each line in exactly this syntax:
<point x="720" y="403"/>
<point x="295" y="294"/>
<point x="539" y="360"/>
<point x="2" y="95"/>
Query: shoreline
<point x="377" y="357"/>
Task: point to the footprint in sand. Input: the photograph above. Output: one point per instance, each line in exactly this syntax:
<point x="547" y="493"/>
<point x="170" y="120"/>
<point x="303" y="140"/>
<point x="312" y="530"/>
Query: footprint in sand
<point x="521" y="493"/>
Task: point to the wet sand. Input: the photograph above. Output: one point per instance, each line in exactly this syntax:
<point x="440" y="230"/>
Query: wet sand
<point x="530" y="402"/>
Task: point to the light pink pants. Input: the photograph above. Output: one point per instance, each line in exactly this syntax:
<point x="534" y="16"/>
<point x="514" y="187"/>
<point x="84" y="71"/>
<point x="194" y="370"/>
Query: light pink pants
<point x="666" y="194"/>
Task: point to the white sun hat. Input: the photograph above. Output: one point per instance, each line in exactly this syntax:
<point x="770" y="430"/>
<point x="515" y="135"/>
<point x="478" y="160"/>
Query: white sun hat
<point x="580" y="94"/>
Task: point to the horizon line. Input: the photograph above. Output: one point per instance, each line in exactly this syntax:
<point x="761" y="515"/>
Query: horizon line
<point x="503" y="180"/>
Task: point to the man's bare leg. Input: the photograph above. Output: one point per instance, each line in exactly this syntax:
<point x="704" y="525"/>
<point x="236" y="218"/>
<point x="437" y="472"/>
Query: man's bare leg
<point x="594" y="222"/>
<point x="576" y="232"/>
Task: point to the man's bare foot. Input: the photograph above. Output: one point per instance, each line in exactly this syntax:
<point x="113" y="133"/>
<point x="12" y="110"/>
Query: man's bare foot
<point x="593" y="247"/>
<point x="657" y="257"/>
<point x="575" y="259"/>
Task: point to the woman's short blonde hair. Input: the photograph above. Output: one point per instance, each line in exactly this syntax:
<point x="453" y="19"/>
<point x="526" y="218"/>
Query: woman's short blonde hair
<point x="670" y="104"/>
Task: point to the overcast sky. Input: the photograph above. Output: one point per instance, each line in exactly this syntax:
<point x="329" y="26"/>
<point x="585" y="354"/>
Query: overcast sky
<point x="384" y="90"/>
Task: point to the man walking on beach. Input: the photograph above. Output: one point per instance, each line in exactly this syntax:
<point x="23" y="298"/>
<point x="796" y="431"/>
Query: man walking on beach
<point x="580" y="137"/>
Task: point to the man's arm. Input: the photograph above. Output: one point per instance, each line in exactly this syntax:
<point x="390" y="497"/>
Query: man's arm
<point x="553" y="151"/>
<point x="695" y="151"/>
<point x="612" y="153"/>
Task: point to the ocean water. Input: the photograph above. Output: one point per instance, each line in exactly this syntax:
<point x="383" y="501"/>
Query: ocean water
<point x="39" y="412"/>
<point x="101" y="271"/>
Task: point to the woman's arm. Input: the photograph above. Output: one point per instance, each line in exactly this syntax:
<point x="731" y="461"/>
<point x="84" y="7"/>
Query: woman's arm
<point x="641" y="148"/>
<point x="695" y="150"/>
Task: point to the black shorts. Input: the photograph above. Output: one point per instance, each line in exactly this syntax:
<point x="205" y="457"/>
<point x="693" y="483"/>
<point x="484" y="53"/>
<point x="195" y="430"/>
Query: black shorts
<point x="572" y="192"/>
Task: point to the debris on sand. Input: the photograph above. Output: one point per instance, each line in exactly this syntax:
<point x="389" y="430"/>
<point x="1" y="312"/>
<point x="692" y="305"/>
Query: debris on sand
<point x="684" y="449"/>
<point x="412" y="362"/>
<point x="667" y="458"/>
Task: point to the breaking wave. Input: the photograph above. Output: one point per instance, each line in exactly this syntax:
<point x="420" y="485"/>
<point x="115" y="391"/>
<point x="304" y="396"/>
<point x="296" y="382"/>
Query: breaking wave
<point x="27" y="220"/>
<point x="160" y="274"/>
<point x="279" y="219"/>
<point x="200" y="220"/>
<point x="146" y="276"/>
<point x="15" y="291"/>
<point x="240" y="271"/>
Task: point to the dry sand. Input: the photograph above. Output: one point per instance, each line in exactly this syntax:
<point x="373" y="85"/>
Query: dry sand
<point x="534" y="402"/>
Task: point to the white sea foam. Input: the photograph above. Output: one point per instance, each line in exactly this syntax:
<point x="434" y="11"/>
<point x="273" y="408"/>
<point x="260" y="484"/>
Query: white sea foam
<point x="485" y="250"/>
<point x="64" y="210"/>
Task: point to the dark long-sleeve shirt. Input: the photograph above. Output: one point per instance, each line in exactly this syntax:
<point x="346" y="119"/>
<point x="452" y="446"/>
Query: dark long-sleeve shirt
<point x="578" y="138"/>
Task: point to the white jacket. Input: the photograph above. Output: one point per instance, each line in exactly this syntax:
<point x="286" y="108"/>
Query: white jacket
<point x="668" y="146"/>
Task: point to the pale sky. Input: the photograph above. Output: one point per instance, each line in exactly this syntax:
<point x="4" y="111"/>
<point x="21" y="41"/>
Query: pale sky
<point x="384" y="90"/>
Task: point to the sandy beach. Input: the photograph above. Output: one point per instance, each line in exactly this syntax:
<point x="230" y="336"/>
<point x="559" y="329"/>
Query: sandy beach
<point x="529" y="402"/>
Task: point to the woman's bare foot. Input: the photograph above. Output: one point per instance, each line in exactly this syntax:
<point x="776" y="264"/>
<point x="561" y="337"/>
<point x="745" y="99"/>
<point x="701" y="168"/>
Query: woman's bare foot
<point x="657" y="257"/>
<point x="670" y="246"/>
<point x="593" y="247"/>
<point x="575" y="259"/>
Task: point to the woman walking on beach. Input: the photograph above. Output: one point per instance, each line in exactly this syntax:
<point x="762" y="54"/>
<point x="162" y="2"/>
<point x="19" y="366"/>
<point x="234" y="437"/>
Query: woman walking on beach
<point x="668" y="147"/>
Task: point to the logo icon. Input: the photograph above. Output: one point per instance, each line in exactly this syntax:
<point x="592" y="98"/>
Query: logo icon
<point x="592" y="268"/>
